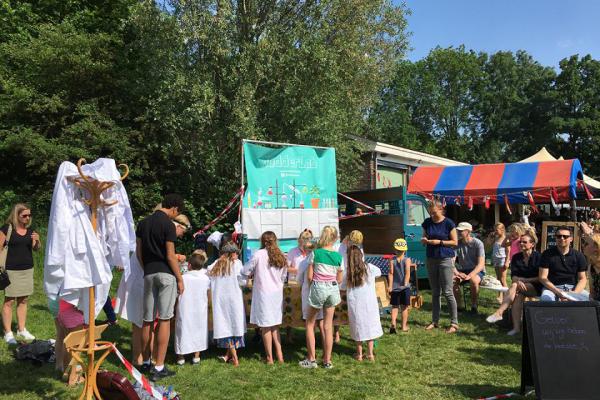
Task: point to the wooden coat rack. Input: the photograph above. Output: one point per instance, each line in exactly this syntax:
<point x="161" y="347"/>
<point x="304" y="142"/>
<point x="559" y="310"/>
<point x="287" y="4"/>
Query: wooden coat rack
<point x="91" y="345"/>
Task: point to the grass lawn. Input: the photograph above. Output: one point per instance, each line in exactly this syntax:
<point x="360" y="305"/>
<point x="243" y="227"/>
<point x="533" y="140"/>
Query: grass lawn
<point x="479" y="361"/>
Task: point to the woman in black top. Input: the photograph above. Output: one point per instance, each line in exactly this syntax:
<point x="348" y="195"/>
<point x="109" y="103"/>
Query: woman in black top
<point x="524" y="268"/>
<point x="19" y="266"/>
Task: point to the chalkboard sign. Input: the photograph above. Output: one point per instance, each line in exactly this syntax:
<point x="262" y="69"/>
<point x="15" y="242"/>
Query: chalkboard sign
<point x="549" y="229"/>
<point x="561" y="350"/>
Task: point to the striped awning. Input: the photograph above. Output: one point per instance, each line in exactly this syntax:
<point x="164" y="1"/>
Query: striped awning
<point x="495" y="182"/>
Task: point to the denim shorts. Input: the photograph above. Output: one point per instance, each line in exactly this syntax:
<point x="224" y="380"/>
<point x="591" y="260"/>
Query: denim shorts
<point x="324" y="295"/>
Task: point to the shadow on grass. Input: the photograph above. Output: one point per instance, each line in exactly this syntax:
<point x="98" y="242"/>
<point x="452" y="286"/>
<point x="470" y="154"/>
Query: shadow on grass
<point x="20" y="376"/>
<point x="494" y="356"/>
<point x="481" y="391"/>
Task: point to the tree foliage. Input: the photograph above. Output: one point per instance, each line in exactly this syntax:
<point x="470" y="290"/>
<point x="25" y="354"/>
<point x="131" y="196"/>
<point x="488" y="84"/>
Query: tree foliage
<point x="172" y="88"/>
<point x="479" y="108"/>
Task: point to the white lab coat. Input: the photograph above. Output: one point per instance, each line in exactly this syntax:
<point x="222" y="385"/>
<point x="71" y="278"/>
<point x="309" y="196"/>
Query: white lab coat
<point x="267" y="290"/>
<point x="302" y="278"/>
<point x="191" y="323"/>
<point x="130" y="294"/>
<point x="76" y="256"/>
<point x="363" y="308"/>
<point x="229" y="315"/>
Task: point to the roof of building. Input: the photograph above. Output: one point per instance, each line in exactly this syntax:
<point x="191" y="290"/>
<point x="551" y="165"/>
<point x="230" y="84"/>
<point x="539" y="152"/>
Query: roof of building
<point x="419" y="158"/>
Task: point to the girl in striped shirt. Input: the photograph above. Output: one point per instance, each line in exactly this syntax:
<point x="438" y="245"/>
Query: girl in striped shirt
<point x="325" y="274"/>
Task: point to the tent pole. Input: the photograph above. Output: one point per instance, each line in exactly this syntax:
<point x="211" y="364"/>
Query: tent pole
<point x="573" y="210"/>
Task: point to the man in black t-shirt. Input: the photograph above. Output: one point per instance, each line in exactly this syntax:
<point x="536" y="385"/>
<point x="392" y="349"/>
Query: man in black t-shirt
<point x="563" y="270"/>
<point x="156" y="237"/>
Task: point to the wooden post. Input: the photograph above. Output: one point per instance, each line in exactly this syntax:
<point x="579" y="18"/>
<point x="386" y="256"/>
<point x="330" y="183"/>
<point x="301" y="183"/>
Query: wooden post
<point x="95" y="189"/>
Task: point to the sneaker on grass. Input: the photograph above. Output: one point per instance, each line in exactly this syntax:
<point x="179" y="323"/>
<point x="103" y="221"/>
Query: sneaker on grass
<point x="25" y="336"/>
<point x="9" y="338"/>
<point x="328" y="365"/>
<point x="308" y="364"/>
<point x="493" y="318"/>
<point x="156" y="375"/>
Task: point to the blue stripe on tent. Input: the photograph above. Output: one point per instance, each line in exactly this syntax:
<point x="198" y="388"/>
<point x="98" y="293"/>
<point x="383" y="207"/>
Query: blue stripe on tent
<point x="518" y="177"/>
<point x="576" y="173"/>
<point x="452" y="181"/>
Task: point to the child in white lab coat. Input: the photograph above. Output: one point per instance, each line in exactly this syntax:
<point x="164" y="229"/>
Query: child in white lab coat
<point x="191" y="323"/>
<point x="269" y="268"/>
<point x="229" y="315"/>
<point x="363" y="309"/>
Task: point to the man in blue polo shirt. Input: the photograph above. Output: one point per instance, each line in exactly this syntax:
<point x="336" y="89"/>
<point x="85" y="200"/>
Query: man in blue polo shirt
<point x="563" y="271"/>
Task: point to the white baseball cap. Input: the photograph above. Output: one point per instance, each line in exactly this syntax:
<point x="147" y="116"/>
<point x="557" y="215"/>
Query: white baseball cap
<point x="464" y="226"/>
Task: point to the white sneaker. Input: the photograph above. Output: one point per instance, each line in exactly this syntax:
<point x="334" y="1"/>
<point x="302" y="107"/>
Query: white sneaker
<point x="181" y="361"/>
<point x="25" y="336"/>
<point x="512" y="332"/>
<point x="308" y="364"/>
<point x="9" y="338"/>
<point x="493" y="318"/>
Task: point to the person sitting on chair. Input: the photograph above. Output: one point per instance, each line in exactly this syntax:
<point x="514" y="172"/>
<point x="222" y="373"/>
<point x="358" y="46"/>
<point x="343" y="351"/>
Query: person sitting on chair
<point x="470" y="263"/>
<point x="563" y="270"/>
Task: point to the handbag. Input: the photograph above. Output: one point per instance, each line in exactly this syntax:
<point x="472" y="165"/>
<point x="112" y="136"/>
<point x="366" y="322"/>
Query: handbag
<point x="114" y="386"/>
<point x="4" y="279"/>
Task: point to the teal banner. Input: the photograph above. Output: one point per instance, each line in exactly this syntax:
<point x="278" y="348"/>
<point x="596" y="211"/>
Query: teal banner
<point x="289" y="189"/>
<point x="289" y="177"/>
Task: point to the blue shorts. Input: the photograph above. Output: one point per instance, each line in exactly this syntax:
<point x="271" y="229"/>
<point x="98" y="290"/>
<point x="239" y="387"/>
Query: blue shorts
<point x="468" y="271"/>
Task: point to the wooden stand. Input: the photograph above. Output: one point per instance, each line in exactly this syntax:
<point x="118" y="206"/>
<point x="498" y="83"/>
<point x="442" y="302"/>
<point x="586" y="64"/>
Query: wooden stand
<point x="90" y="346"/>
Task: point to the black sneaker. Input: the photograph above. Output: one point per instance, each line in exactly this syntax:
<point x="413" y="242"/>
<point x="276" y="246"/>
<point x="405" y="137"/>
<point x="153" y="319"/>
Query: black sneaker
<point x="144" y="368"/>
<point x="155" y="375"/>
<point x="474" y="310"/>
<point x="392" y="329"/>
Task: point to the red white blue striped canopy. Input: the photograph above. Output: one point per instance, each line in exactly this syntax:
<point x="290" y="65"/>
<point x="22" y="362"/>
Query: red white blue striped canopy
<point x="496" y="181"/>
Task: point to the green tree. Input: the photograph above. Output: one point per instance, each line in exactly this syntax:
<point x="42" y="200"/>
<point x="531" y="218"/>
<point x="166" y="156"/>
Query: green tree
<point x="577" y="112"/>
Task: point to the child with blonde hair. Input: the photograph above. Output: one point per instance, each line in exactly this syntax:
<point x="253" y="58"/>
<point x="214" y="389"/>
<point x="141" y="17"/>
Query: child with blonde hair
<point x="229" y="315"/>
<point x="325" y="274"/>
<point x="399" y="284"/>
<point x="191" y="321"/>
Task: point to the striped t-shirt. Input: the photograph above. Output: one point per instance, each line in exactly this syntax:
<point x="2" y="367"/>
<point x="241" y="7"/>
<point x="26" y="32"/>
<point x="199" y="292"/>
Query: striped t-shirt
<point x="326" y="264"/>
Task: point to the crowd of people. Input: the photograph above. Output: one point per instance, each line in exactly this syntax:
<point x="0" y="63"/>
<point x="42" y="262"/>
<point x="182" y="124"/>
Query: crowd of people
<point x="160" y="298"/>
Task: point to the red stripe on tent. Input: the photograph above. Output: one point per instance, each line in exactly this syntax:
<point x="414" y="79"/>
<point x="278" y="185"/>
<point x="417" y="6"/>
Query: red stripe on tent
<point x="553" y="174"/>
<point x="484" y="177"/>
<point x="424" y="179"/>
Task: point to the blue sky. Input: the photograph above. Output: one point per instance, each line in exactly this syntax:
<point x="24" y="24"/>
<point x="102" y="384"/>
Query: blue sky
<point x="549" y="30"/>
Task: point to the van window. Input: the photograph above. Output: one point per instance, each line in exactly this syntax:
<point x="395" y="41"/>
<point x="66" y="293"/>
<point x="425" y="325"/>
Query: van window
<point x="416" y="212"/>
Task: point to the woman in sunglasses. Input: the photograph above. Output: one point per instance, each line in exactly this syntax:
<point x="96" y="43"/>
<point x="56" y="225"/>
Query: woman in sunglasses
<point x="524" y="268"/>
<point x="21" y="241"/>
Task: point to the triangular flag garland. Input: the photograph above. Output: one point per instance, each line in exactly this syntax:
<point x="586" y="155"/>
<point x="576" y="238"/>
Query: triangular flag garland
<point x="457" y="201"/>
<point x="470" y="203"/>
<point x="582" y="185"/>
<point x="486" y="201"/>
<point x="553" y="200"/>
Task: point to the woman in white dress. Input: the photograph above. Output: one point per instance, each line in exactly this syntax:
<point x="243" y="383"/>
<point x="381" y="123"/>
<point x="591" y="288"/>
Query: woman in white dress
<point x="268" y="266"/>
<point x="363" y="309"/>
<point x="229" y="315"/>
<point x="191" y="320"/>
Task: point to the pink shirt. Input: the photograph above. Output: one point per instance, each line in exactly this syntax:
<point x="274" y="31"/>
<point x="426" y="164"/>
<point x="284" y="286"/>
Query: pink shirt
<point x="266" y="278"/>
<point x="515" y="247"/>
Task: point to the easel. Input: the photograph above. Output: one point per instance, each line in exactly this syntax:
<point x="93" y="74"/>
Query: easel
<point x="91" y="345"/>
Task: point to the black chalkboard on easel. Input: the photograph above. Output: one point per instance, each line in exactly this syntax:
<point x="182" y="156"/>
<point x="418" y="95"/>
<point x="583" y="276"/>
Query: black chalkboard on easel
<point x="560" y="354"/>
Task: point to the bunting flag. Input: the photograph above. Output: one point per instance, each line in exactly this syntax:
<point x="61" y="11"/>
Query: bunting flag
<point x="457" y="201"/>
<point x="486" y="201"/>
<point x="532" y="203"/>
<point x="470" y="203"/>
<point x="588" y="194"/>
<point x="507" y="205"/>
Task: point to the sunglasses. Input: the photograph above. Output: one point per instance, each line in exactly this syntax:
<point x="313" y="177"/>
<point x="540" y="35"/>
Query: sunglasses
<point x="26" y="216"/>
<point x="562" y="236"/>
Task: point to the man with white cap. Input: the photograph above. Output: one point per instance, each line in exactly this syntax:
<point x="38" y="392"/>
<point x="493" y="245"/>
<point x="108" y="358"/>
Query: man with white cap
<point x="470" y="262"/>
